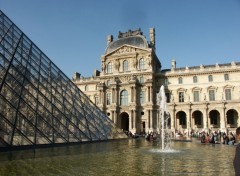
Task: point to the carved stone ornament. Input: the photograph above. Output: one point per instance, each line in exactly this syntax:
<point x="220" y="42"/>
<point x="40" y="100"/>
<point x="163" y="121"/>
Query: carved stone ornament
<point x="124" y="50"/>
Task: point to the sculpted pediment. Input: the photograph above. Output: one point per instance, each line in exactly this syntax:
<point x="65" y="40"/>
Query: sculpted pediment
<point x="126" y="49"/>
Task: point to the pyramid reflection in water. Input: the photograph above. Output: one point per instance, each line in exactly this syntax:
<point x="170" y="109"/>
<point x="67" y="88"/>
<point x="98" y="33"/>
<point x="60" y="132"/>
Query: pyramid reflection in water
<point x="38" y="103"/>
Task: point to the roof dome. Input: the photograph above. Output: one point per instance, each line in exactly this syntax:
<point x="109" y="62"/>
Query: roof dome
<point x="137" y="41"/>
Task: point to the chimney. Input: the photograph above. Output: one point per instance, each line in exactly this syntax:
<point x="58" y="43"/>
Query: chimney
<point x="76" y="76"/>
<point x="174" y="64"/>
<point x="152" y="37"/>
<point x="109" y="39"/>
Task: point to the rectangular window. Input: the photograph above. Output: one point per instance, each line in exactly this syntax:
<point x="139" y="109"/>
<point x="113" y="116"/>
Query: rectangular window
<point x="141" y="80"/>
<point x="181" y="96"/>
<point x="196" y="96"/>
<point x="226" y="77"/>
<point x="210" y="78"/>
<point x="109" y="67"/>
<point x="109" y="98"/>
<point x="142" y="97"/>
<point x="228" y="95"/>
<point x="180" y="80"/>
<point x="141" y="64"/>
<point x="125" y="65"/>
<point x="195" y="80"/>
<point x="211" y="95"/>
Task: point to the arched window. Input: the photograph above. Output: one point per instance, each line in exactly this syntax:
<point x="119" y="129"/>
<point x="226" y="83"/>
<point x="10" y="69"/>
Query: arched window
<point x="141" y="64"/>
<point x="124" y="98"/>
<point x="210" y="78"/>
<point x="125" y="65"/>
<point x="195" y="80"/>
<point x="109" y="67"/>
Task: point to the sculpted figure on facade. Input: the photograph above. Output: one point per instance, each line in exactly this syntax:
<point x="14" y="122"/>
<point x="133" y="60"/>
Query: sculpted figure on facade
<point x="149" y="61"/>
<point x="117" y="65"/>
<point x="103" y="67"/>
<point x="134" y="62"/>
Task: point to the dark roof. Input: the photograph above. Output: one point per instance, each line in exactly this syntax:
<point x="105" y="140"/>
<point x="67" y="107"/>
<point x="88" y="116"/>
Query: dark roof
<point x="138" y="41"/>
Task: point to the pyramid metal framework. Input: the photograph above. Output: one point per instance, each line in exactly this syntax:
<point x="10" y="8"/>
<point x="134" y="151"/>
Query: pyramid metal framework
<point x="39" y="104"/>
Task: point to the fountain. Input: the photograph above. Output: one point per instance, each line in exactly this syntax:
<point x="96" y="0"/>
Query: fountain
<point x="165" y="132"/>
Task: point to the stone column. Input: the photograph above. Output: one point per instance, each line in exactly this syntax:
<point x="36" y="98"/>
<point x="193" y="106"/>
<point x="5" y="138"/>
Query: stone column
<point x="100" y="97"/>
<point x="205" y="119"/>
<point x="148" y="93"/>
<point x="115" y="118"/>
<point x="113" y="95"/>
<point x="223" y="119"/>
<point x="132" y="94"/>
<point x="112" y="112"/>
<point x="173" y="119"/>
<point x="134" y="120"/>
<point x="189" y="123"/>
<point x="151" y="94"/>
<point x="130" y="121"/>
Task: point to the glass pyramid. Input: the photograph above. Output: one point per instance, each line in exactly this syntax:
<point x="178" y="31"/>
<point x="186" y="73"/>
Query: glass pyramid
<point x="39" y="104"/>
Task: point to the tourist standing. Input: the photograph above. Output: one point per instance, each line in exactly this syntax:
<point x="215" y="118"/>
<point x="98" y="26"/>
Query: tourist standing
<point x="236" y="161"/>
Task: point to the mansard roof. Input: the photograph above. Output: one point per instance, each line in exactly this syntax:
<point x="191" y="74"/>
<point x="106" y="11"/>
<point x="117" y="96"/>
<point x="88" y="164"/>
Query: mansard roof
<point x="134" y="38"/>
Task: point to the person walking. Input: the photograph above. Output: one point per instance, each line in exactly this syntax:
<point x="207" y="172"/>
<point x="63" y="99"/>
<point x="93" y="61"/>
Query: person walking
<point x="236" y="161"/>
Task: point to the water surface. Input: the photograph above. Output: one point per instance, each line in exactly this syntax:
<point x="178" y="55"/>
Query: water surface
<point x="131" y="157"/>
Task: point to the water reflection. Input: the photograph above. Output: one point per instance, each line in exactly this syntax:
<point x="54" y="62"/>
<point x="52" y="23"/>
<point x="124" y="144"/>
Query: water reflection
<point x="124" y="157"/>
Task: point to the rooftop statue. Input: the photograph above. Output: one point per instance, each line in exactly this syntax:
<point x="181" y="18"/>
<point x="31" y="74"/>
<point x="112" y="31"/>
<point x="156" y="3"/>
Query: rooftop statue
<point x="129" y="33"/>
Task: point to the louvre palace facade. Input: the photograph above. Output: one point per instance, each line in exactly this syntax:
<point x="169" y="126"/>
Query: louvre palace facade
<point x="204" y="97"/>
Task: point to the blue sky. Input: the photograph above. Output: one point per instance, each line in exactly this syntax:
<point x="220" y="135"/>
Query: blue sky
<point x="72" y="33"/>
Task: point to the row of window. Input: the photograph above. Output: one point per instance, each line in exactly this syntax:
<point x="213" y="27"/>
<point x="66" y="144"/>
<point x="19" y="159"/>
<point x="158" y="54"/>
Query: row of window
<point x="125" y="64"/>
<point x="195" y="79"/>
<point x="196" y="95"/>
<point x="141" y="80"/>
<point x="181" y="97"/>
<point x="123" y="98"/>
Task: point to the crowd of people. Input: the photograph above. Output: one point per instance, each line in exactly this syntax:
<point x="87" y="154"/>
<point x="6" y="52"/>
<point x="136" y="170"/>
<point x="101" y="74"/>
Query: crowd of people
<point x="218" y="137"/>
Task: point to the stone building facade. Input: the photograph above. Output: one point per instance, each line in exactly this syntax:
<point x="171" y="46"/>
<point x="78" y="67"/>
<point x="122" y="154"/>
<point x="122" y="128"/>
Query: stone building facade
<point x="198" y="98"/>
<point x="203" y="97"/>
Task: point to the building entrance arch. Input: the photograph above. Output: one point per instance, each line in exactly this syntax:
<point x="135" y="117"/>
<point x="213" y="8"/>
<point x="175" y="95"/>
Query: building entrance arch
<point x="214" y="117"/>
<point x="232" y="118"/>
<point x="197" y="119"/>
<point x="124" y="121"/>
<point x="181" y="120"/>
